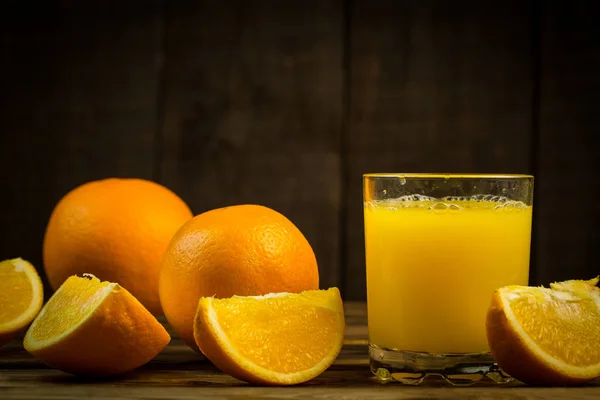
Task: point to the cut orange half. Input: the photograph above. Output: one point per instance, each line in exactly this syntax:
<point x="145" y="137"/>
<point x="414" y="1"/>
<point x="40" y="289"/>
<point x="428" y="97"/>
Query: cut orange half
<point x="547" y="336"/>
<point x="21" y="297"/>
<point x="94" y="328"/>
<point x="276" y="339"/>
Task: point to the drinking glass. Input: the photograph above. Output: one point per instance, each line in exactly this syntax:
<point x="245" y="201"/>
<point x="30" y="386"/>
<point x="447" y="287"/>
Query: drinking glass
<point x="437" y="246"/>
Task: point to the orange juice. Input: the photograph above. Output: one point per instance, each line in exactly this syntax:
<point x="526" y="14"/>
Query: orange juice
<point x="432" y="266"/>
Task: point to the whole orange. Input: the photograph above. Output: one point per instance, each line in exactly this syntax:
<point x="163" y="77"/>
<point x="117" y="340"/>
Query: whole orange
<point x="244" y="250"/>
<point x="117" y="230"/>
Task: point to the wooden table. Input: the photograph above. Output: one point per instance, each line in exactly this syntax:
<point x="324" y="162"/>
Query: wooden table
<point x="180" y="373"/>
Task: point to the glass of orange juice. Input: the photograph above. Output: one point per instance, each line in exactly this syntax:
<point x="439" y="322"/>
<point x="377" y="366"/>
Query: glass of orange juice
<point x="437" y="246"/>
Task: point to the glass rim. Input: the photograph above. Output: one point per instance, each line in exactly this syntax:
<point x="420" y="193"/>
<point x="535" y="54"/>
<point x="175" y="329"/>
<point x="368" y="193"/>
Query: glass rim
<point x="453" y="175"/>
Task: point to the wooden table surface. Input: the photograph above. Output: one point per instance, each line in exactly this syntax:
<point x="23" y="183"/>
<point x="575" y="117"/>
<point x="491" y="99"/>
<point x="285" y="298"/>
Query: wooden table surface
<point x="180" y="373"/>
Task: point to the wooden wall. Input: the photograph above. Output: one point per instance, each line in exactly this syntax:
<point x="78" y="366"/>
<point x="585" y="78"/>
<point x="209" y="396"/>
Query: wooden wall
<point x="288" y="103"/>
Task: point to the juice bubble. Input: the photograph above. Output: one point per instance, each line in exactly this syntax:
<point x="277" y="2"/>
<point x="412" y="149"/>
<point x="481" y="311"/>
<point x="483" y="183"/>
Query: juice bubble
<point x="510" y="206"/>
<point x="410" y="201"/>
<point x="370" y="204"/>
<point x="488" y="198"/>
<point x="415" y="197"/>
<point x="441" y="207"/>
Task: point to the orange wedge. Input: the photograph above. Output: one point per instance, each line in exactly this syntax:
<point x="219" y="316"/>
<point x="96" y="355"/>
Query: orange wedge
<point x="275" y="339"/>
<point x="94" y="328"/>
<point x="21" y="297"/>
<point x="547" y="336"/>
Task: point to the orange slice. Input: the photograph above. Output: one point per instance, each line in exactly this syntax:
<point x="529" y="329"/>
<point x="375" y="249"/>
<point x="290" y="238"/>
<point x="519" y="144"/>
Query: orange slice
<point x="94" y="328"/>
<point x="547" y="336"/>
<point x="21" y="297"/>
<point x="276" y="339"/>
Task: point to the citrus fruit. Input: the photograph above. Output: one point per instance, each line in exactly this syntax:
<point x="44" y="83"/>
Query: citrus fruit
<point x="276" y="339"/>
<point x="21" y="297"/>
<point x="547" y="336"/>
<point x="94" y="328"/>
<point x="245" y="250"/>
<point x="116" y="229"/>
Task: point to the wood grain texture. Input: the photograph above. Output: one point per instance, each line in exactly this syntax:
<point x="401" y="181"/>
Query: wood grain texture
<point x="78" y="103"/>
<point x="178" y="372"/>
<point x="568" y="148"/>
<point x="252" y="112"/>
<point x="333" y="385"/>
<point x="435" y="86"/>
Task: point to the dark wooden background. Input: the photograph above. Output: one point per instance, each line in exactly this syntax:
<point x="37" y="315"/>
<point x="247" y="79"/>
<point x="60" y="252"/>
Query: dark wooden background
<point x="287" y="103"/>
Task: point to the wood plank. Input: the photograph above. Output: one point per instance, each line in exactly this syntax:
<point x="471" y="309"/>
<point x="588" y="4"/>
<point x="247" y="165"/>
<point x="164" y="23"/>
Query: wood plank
<point x="345" y="384"/>
<point x="435" y="86"/>
<point x="178" y="372"/>
<point x="79" y="103"/>
<point x="69" y="391"/>
<point x="252" y="111"/>
<point x="569" y="245"/>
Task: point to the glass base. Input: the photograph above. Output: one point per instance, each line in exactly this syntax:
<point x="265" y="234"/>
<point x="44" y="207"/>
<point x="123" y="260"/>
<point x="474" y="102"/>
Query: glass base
<point x="414" y="368"/>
